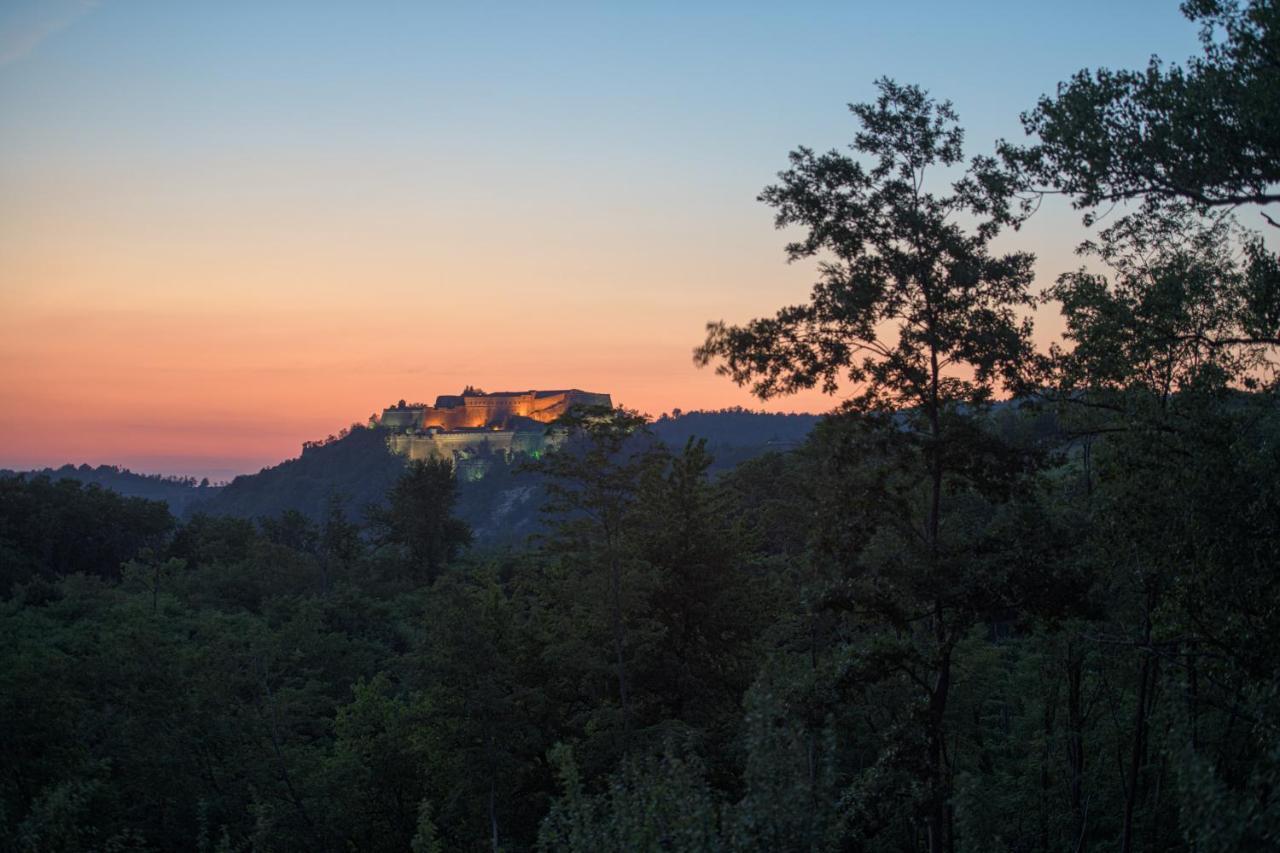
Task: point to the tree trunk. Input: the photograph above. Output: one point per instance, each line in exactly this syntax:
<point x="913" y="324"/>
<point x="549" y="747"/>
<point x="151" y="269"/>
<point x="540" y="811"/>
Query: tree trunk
<point x="1075" y="742"/>
<point x="941" y="839"/>
<point x="493" y="813"/>
<point x="619" y="638"/>
<point x="1139" y="746"/>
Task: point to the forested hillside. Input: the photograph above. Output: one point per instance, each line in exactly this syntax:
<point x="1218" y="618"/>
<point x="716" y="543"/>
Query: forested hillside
<point x="931" y="622"/>
<point x="355" y="467"/>
<point x="502" y="506"/>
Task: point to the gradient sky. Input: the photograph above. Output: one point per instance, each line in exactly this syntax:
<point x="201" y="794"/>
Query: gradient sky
<point x="228" y="227"/>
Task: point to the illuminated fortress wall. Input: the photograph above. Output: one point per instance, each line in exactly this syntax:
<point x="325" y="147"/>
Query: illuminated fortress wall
<point x="474" y="409"/>
<point x="489" y="410"/>
<point x="460" y="426"/>
<point x="447" y="445"/>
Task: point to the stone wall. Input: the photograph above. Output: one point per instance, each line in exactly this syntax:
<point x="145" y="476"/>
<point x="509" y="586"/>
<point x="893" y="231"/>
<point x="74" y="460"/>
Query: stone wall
<point x="436" y="444"/>
<point x="475" y="410"/>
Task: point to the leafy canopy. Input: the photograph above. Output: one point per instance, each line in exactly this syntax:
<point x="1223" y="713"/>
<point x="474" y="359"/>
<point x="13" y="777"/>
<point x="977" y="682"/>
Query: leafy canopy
<point x="910" y="307"/>
<point x="1205" y="133"/>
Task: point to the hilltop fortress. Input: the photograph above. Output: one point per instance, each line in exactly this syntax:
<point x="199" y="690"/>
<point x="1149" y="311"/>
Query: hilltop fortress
<point x="474" y="424"/>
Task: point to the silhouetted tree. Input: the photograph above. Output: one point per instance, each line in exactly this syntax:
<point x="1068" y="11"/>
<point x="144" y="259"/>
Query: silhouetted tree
<point x="915" y="313"/>
<point x="418" y="518"/>
<point x="592" y="482"/>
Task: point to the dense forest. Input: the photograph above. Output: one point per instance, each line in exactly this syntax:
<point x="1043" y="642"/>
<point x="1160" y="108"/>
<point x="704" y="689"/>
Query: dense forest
<point x="935" y="622"/>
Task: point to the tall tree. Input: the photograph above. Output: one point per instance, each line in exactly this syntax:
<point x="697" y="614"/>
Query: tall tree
<point x="592" y="483"/>
<point x="702" y="598"/>
<point x="1163" y="341"/>
<point x="419" y="517"/>
<point x="913" y="311"/>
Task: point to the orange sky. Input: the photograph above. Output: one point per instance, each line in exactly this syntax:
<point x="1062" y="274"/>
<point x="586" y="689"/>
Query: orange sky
<point x="138" y="347"/>
<point x="226" y="229"/>
<point x="223" y="354"/>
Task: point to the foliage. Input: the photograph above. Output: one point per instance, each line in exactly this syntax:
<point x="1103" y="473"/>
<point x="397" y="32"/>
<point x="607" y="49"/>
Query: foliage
<point x="1203" y="133"/>
<point x="661" y="803"/>
<point x="418" y="519"/>
<point x="52" y="528"/>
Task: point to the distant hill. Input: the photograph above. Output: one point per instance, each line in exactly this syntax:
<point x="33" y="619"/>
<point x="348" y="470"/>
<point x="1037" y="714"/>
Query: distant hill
<point x="178" y="492"/>
<point x="735" y="435"/>
<point x="356" y="465"/>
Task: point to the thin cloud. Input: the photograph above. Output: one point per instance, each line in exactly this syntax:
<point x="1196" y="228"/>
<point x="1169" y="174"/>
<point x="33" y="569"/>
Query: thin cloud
<point x="25" y="24"/>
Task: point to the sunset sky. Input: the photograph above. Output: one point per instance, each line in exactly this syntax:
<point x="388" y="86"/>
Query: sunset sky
<point x="227" y="227"/>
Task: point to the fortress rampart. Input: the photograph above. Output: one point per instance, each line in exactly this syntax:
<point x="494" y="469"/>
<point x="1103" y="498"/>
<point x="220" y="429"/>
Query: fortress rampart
<point x="503" y="410"/>
<point x="473" y="424"/>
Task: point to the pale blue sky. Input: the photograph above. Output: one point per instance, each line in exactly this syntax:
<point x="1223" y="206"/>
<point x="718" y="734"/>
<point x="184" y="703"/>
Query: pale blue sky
<point x="674" y="89"/>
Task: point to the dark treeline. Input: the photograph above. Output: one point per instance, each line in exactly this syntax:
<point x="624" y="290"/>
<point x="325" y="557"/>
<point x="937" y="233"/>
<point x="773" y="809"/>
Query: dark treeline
<point x="735" y="435"/>
<point x="936" y="623"/>
<point x="179" y="493"/>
